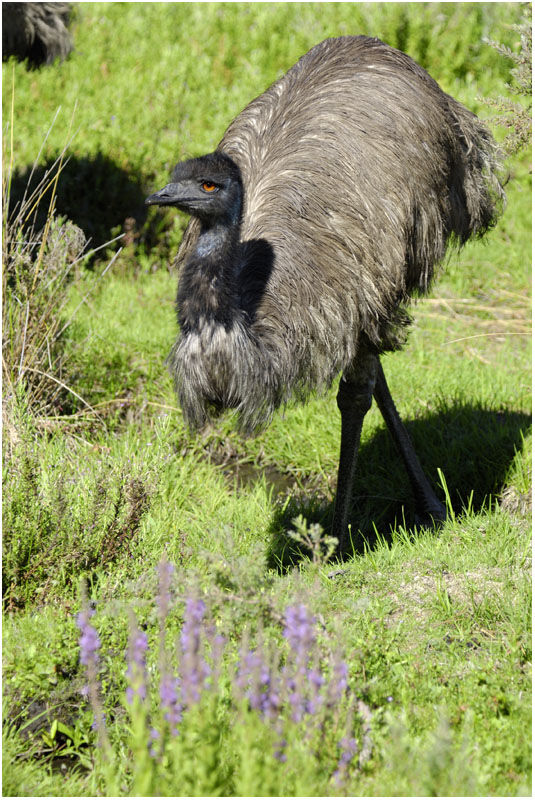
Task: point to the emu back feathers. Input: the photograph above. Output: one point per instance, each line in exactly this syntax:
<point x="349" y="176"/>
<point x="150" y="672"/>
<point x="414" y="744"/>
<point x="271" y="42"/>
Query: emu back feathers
<point x="358" y="171"/>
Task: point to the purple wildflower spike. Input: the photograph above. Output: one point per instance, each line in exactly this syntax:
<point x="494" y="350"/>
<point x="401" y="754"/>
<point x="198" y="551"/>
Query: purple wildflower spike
<point x="299" y="628"/>
<point x="154" y="737"/>
<point x="301" y="683"/>
<point x="280" y="753"/>
<point x="169" y="685"/>
<point x="169" y="702"/>
<point x="315" y="683"/>
<point x="136" y="670"/>
<point x="348" y="748"/>
<point x="89" y="643"/>
<point x="195" y="670"/>
<point x="339" y="682"/>
<point x="259" y="682"/>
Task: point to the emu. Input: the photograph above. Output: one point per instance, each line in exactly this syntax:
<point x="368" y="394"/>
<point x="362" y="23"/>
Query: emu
<point x="329" y="201"/>
<point x="36" y="31"/>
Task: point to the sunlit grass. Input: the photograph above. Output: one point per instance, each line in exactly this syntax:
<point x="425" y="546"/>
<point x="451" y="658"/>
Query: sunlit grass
<point x="435" y="624"/>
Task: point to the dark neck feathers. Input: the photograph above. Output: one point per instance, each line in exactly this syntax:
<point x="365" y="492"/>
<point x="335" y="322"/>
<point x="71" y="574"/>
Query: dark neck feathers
<point x="207" y="285"/>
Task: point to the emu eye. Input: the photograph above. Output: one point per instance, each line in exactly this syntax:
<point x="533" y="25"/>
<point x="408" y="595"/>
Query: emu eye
<point x="208" y="186"/>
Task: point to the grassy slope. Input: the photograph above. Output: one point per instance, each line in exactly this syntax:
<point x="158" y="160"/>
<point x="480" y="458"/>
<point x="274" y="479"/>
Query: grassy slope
<point x="437" y="625"/>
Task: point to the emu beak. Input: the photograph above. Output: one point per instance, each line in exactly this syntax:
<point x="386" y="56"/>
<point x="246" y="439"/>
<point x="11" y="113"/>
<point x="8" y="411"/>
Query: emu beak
<point x="170" y="195"/>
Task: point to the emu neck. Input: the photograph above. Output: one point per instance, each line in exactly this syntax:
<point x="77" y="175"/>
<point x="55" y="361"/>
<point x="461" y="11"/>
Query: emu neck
<point x="207" y="286"/>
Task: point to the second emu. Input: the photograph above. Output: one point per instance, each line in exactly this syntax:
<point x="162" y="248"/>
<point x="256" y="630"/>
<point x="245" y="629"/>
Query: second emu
<point x="329" y="201"/>
<point x="38" y="32"/>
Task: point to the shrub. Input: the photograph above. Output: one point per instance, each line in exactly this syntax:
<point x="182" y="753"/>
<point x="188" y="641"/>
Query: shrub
<point x="516" y="116"/>
<point x="39" y="262"/>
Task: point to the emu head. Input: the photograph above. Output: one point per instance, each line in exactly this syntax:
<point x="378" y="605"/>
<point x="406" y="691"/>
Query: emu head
<point x="209" y="187"/>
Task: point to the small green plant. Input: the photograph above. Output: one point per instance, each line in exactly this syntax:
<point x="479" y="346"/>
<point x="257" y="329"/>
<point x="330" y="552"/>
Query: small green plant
<point x="68" y="741"/>
<point x="311" y="537"/>
<point x="513" y="115"/>
<point x="55" y="525"/>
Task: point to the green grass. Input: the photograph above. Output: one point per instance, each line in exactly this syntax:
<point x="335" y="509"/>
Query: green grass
<point x="436" y="625"/>
<point x="152" y="83"/>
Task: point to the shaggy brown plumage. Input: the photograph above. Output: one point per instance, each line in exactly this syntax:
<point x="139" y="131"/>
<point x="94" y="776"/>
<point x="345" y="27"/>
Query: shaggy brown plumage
<point x="36" y="31"/>
<point x="357" y="172"/>
<point x="344" y="183"/>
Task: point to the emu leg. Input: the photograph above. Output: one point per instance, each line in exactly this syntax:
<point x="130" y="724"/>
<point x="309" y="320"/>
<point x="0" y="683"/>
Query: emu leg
<point x="354" y="400"/>
<point x="428" y="504"/>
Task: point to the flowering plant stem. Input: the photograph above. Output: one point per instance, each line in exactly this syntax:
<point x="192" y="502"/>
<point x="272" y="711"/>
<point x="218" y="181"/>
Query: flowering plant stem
<point x="142" y="763"/>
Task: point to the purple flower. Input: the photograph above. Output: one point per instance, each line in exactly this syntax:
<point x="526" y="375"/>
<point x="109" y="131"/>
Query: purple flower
<point x="339" y="682"/>
<point x="302" y="683"/>
<point x="168" y="691"/>
<point x="315" y="678"/>
<point x="299" y="628"/>
<point x="169" y="702"/>
<point x="139" y="647"/>
<point x="136" y="670"/>
<point x="315" y="682"/>
<point x="341" y="673"/>
<point x="193" y="616"/>
<point x="258" y="682"/>
<point x="279" y="753"/>
<point x="154" y="736"/>
<point x="89" y="641"/>
<point x="195" y="671"/>
<point x="98" y="721"/>
<point x="348" y="747"/>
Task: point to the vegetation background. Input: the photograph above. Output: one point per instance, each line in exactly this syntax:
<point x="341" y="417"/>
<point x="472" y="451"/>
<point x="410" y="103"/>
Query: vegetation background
<point x="101" y="478"/>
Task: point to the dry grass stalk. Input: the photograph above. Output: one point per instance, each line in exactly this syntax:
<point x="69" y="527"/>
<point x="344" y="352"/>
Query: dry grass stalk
<point x="38" y="266"/>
